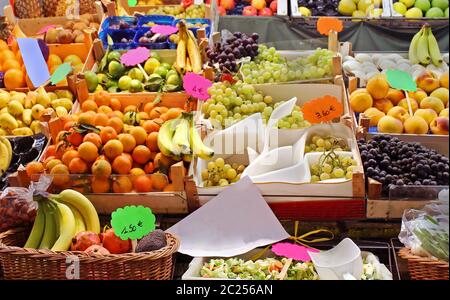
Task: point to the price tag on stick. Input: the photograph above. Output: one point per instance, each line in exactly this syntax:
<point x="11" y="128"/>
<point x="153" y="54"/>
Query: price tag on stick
<point x="196" y="85"/>
<point x="327" y="24"/>
<point x="323" y="109"/>
<point x="164" y="29"/>
<point x="34" y="61"/>
<point x="402" y="81"/>
<point x="132" y="3"/>
<point x="133" y="222"/>
<point x="136" y="57"/>
<point x="61" y="73"/>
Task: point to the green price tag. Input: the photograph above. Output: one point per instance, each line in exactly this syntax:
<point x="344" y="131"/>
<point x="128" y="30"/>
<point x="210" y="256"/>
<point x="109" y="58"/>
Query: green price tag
<point x="401" y="80"/>
<point x="61" y="73"/>
<point x="133" y="222"/>
<point x="132" y="3"/>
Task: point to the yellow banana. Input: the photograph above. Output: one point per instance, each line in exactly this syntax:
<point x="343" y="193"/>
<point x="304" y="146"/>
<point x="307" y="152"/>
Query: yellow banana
<point x="422" y="49"/>
<point x="66" y="228"/>
<point x="181" y="137"/>
<point x="181" y="48"/>
<point x="165" y="138"/>
<point x="35" y="237"/>
<point x="188" y="65"/>
<point x="9" y="151"/>
<point x="194" y="53"/>
<point x="3" y="159"/>
<point x="27" y="117"/>
<point x="84" y="206"/>
<point x="79" y="222"/>
<point x="22" y="131"/>
<point x="49" y="236"/>
<point x="413" y="47"/>
<point x="198" y="147"/>
<point x="433" y="49"/>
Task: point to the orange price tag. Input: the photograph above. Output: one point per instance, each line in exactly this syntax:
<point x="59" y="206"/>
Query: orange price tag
<point x="322" y="109"/>
<point x="327" y="24"/>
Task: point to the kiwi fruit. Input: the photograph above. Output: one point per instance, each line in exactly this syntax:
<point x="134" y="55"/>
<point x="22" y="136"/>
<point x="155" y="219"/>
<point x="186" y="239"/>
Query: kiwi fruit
<point x="65" y="37"/>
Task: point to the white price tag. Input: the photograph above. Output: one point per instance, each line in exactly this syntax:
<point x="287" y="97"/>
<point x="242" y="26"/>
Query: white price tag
<point x="198" y="2"/>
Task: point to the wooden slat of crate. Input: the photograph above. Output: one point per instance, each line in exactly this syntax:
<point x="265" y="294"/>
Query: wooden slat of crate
<point x="392" y="209"/>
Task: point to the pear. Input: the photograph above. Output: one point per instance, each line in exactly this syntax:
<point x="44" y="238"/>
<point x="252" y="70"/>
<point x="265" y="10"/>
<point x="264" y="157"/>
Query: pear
<point x="7" y="121"/>
<point x="37" y="111"/>
<point x="15" y="108"/>
<point x="43" y="98"/>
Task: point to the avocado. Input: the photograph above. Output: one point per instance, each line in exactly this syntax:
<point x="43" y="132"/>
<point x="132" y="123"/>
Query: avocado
<point x="153" y="241"/>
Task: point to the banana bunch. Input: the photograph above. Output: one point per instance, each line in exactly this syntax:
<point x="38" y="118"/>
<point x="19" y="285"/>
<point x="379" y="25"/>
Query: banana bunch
<point x="189" y="58"/>
<point x="424" y="48"/>
<point x="5" y="154"/>
<point x="179" y="139"/>
<point x="60" y="218"/>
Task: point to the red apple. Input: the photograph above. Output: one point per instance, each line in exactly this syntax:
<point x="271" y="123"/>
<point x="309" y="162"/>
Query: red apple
<point x="274" y="6"/>
<point x="221" y="11"/>
<point x="249" y="11"/>
<point x="227" y="4"/>
<point x="259" y="4"/>
<point x="265" y="12"/>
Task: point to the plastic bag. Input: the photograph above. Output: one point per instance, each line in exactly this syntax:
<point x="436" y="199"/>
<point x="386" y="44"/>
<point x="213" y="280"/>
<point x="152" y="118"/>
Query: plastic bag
<point x="17" y="207"/>
<point x="425" y="231"/>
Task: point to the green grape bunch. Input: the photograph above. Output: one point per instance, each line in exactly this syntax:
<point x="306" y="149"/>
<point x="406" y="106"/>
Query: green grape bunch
<point x="332" y="166"/>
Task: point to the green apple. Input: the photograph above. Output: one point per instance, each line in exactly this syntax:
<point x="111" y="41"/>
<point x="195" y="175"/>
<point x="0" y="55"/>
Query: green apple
<point x="400" y="8"/>
<point x="434" y="12"/>
<point x="442" y="4"/>
<point x="161" y="71"/>
<point x="414" y="13"/>
<point x="408" y="3"/>
<point x="424" y="5"/>
<point x="151" y="65"/>
<point x="125" y="83"/>
<point x="136" y="86"/>
<point x="136" y="73"/>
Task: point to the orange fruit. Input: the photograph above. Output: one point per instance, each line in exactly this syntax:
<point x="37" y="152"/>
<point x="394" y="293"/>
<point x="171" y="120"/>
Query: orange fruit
<point x="174" y="113"/>
<point x="157" y="112"/>
<point x="151" y="126"/>
<point x="100" y="185"/>
<point x="121" y="164"/>
<point x="19" y="58"/>
<point x="51" y="163"/>
<point x="101" y="119"/>
<point x="34" y="168"/>
<point x="3" y="46"/>
<point x="88" y="152"/>
<point x="60" y="174"/>
<point x="94" y="138"/>
<point x="68" y="156"/>
<point x="152" y="142"/>
<point x="87" y="118"/>
<point x="112" y="149"/>
<point x="119" y="114"/>
<point x="140" y="135"/>
<point x="162" y="160"/>
<point x="149" y="107"/>
<point x="78" y="166"/>
<point x="130" y="108"/>
<point x="89" y="105"/>
<point x="129" y="157"/>
<point x="68" y="125"/>
<point x="149" y="168"/>
<point x="11" y="64"/>
<point x="104" y="109"/>
<point x="50" y="151"/>
<point x="137" y="172"/>
<point x="14" y="79"/>
<point x="127" y="141"/>
<point x="141" y="154"/>
<point x="74" y="138"/>
<point x="101" y="168"/>
<point x="163" y="117"/>
<point x="122" y="184"/>
<point x="107" y="133"/>
<point x="7" y="55"/>
<point x="142" y="184"/>
<point x="169" y="188"/>
<point x="159" y="180"/>
<point x="102" y="98"/>
<point x="116" y="123"/>
<point x="115" y="104"/>
<point x="15" y="46"/>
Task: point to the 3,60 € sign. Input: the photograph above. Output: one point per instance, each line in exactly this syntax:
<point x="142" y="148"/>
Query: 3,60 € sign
<point x="133" y="222"/>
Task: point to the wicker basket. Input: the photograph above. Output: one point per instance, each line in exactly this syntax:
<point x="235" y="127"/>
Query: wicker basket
<point x="30" y="264"/>
<point x="423" y="268"/>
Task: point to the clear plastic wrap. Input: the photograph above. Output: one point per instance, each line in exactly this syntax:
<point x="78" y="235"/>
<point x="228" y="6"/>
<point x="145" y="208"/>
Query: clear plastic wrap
<point x="425" y="231"/>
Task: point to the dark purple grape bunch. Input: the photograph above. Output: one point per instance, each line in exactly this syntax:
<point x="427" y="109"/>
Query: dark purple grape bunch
<point x="236" y="47"/>
<point x="150" y="37"/>
<point x="122" y="25"/>
<point x="396" y="163"/>
<point x="321" y="7"/>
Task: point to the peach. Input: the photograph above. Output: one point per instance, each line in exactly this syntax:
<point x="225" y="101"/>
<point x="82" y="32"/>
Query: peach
<point x="441" y="93"/>
<point x="359" y="91"/>
<point x="443" y="80"/>
<point x="416" y="125"/>
<point x="360" y="102"/>
<point x="433" y="103"/>
<point x="399" y="113"/>
<point x="388" y="124"/>
<point x="374" y="115"/>
<point x="418" y="95"/>
<point x="427" y="81"/>
<point x="378" y="87"/>
<point x="427" y="114"/>
<point x="383" y="104"/>
<point x="439" y="126"/>
<point x="444" y="113"/>
<point x="395" y="96"/>
<point x="404" y="104"/>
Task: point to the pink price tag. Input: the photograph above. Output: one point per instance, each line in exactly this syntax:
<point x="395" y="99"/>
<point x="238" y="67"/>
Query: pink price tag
<point x="135" y="56"/>
<point x="196" y="85"/>
<point x="44" y="29"/>
<point x="164" y="29"/>
<point x="293" y="251"/>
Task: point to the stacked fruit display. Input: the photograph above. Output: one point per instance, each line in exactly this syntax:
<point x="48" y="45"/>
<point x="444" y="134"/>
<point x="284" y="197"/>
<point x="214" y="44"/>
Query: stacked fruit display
<point x="219" y="173"/>
<point x="20" y="113"/>
<point x="179" y="11"/>
<point x="388" y="108"/>
<point x="355" y="8"/>
<point x="71" y="32"/>
<point x="396" y="163"/>
<point x="247" y="7"/>
<point x="269" y="67"/>
<point x="189" y="58"/>
<point x="115" y="77"/>
<point x="421" y="8"/>
<point x="25" y="9"/>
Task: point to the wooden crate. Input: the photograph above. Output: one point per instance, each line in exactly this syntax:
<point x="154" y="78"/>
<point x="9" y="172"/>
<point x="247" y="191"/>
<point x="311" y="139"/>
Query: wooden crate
<point x="392" y="209"/>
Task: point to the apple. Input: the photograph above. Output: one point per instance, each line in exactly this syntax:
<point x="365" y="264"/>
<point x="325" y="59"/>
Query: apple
<point x="259" y="4"/>
<point x="274" y="6"/>
<point x="265" y="12"/>
<point x="221" y="11"/>
<point x="227" y="4"/>
<point x="249" y="11"/>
